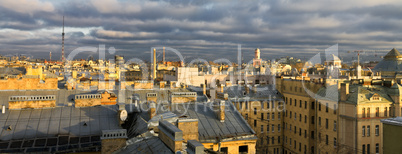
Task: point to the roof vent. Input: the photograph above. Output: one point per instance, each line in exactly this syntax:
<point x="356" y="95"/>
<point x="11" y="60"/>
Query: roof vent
<point x="9" y="128"/>
<point x="85" y="124"/>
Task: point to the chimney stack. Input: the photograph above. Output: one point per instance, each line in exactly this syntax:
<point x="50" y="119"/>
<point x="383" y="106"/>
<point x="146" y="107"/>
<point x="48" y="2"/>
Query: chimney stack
<point x="152" y="110"/>
<point x="171" y="135"/>
<point x="3" y="110"/>
<point x="344" y="91"/>
<point x="204" y="89"/>
<point x="221" y="110"/>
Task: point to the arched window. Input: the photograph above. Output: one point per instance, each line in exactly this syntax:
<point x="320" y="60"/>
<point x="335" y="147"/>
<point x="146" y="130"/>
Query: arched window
<point x="368" y="112"/>
<point x="363" y="112"/>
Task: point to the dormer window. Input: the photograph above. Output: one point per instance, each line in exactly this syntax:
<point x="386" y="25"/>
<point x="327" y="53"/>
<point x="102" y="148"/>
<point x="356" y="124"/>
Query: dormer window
<point x="375" y="97"/>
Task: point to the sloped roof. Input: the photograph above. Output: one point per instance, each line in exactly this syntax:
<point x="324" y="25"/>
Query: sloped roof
<point x="391" y="62"/>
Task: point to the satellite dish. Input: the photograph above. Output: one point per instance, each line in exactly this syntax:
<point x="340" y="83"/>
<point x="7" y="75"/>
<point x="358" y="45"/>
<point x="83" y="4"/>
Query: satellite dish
<point x="123" y="115"/>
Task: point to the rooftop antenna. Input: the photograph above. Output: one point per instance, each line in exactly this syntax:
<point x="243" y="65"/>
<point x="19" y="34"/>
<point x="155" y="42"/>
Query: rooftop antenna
<point x="62" y="44"/>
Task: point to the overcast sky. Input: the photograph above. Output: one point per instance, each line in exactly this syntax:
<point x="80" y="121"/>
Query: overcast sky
<point x="201" y="28"/>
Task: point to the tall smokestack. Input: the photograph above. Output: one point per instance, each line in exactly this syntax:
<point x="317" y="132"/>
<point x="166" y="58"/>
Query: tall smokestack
<point x="154" y="65"/>
<point x="62" y="43"/>
<point x="163" y="58"/>
<point x="50" y="57"/>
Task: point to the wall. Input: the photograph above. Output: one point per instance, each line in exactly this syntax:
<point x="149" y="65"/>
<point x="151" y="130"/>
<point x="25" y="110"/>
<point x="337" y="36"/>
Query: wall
<point x="28" y="84"/>
<point x="31" y="104"/>
<point x="111" y="145"/>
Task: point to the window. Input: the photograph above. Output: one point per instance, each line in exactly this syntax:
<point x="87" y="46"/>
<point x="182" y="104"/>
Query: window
<point x="273" y="116"/>
<point x="364" y="149"/>
<point x="262" y="105"/>
<point x="368" y="112"/>
<point x="312" y="134"/>
<point x="268" y="105"/>
<point x="319" y="121"/>
<point x="377" y="112"/>
<point x="262" y="128"/>
<point x="326" y="107"/>
<point x="334" y="142"/>
<point x="279" y="139"/>
<point x="279" y="127"/>
<point x="262" y="116"/>
<point x="389" y="111"/>
<point x="286" y="100"/>
<point x="363" y="112"/>
<point x="364" y="131"/>
<point x="305" y="133"/>
<point x="246" y="116"/>
<point x="273" y="104"/>
<point x="273" y="140"/>
<point x="290" y="101"/>
<point x="290" y="142"/>
<point x="273" y="128"/>
<point x="312" y="119"/>
<point x="246" y="105"/>
<point x="326" y="139"/>
<point x="290" y="127"/>
<point x="255" y="123"/>
<point x="319" y="106"/>
<point x="377" y="130"/>
<point x="279" y="116"/>
<point x="255" y="111"/>
<point x="295" y="116"/>
<point x="326" y="123"/>
<point x="268" y="116"/>
<point x="305" y="119"/>
<point x="334" y="125"/>
<point x="290" y="114"/>
<point x="295" y="102"/>
<point x="295" y="130"/>
<point x="385" y="112"/>
<point x="299" y="146"/>
<point x="368" y="148"/>
<point x="305" y="104"/>
<point x="368" y="130"/>
<point x="313" y="105"/>
<point x="243" y="149"/>
<point x="267" y="128"/>
<point x="300" y="118"/>
<point x="300" y="131"/>
<point x="267" y="139"/>
<point x="300" y="104"/>
<point x="335" y="108"/>
<point x="377" y="148"/>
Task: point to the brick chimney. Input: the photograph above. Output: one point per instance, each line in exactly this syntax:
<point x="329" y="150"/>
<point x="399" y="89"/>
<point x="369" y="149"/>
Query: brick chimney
<point x="152" y="109"/>
<point x="170" y="135"/>
<point x="189" y="128"/>
<point x="220" y="110"/>
<point x="204" y="89"/>
<point x="221" y="88"/>
<point x="344" y="91"/>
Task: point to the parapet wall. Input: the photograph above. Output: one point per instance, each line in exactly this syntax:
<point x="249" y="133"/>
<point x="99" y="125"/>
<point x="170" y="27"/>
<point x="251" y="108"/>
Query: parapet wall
<point x="24" y="102"/>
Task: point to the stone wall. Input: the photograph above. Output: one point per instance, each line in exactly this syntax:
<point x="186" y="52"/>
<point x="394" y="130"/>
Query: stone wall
<point x="87" y="102"/>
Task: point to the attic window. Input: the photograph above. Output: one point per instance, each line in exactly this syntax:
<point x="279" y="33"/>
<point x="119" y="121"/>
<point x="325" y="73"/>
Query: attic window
<point x="376" y="97"/>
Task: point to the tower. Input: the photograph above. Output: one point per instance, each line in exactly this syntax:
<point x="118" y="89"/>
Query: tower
<point x="154" y="65"/>
<point x="163" y="58"/>
<point x="62" y="43"/>
<point x="257" y="59"/>
<point x="257" y="53"/>
<point x="50" y="57"/>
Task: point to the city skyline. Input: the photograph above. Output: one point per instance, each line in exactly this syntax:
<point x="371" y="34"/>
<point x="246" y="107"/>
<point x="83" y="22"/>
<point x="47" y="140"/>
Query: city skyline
<point x="199" y="29"/>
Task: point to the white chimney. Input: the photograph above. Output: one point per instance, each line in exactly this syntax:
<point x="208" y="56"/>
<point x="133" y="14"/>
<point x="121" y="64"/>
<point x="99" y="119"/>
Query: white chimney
<point x="3" y="110"/>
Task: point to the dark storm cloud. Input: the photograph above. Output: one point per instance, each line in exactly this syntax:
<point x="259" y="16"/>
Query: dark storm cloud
<point x="205" y="29"/>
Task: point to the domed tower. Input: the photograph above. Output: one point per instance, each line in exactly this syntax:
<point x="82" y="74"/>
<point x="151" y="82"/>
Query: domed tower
<point x="257" y="54"/>
<point x="257" y="59"/>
